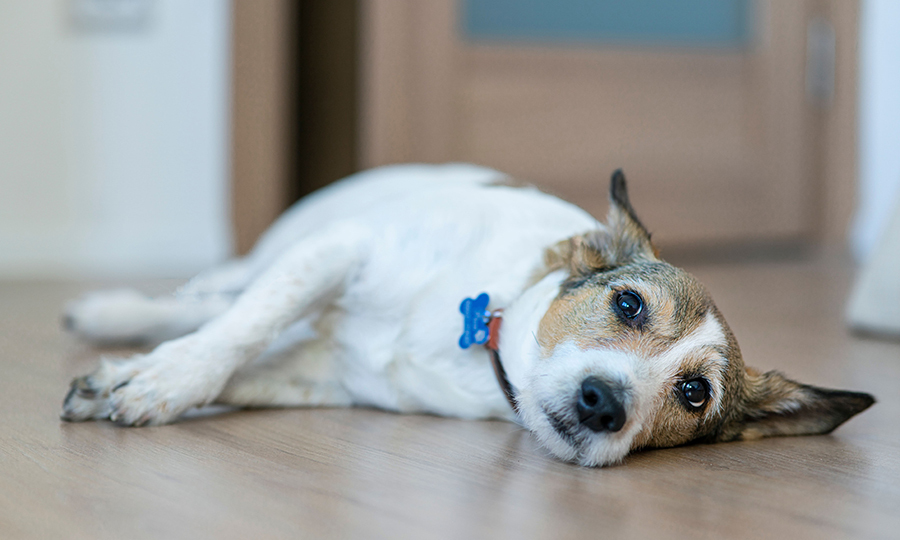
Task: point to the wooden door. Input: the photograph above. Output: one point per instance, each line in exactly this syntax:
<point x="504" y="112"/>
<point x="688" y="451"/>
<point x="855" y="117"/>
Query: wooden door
<point x="719" y="142"/>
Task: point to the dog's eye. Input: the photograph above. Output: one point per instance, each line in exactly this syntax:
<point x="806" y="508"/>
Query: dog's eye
<point x="695" y="392"/>
<point x="629" y="304"/>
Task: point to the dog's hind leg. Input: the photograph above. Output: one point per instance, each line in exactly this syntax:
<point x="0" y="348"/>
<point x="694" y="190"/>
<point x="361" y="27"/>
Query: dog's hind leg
<point x="301" y="377"/>
<point x="126" y="316"/>
<point x="194" y="369"/>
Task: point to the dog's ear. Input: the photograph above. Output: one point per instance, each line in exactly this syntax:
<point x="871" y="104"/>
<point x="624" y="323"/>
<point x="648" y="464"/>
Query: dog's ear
<point x="622" y="241"/>
<point x="773" y="405"/>
<point x="623" y="221"/>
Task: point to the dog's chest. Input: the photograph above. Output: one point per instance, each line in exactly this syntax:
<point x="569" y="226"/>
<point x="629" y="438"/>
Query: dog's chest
<point x="399" y="321"/>
<point x="398" y="334"/>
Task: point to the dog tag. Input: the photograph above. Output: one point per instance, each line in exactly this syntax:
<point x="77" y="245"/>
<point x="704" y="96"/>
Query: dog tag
<point x="475" y="321"/>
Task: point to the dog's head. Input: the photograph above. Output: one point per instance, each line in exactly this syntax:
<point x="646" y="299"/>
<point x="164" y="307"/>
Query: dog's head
<point x="633" y="353"/>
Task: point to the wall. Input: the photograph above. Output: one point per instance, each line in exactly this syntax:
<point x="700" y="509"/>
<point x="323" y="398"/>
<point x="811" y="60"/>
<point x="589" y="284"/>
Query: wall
<point x="879" y="122"/>
<point x="113" y="142"/>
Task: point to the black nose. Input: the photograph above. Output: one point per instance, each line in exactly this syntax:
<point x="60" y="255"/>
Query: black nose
<point x="598" y="407"/>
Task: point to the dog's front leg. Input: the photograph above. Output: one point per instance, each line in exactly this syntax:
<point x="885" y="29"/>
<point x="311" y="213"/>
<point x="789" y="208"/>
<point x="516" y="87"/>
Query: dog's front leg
<point x="192" y="370"/>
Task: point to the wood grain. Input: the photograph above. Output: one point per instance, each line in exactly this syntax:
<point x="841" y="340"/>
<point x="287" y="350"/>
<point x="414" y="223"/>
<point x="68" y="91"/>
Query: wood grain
<point x="367" y="474"/>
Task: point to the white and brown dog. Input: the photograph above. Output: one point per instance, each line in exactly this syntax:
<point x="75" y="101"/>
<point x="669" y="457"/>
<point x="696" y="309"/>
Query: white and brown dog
<point x="353" y="298"/>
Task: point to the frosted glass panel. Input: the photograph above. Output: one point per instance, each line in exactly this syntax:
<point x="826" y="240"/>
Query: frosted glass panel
<point x="701" y="23"/>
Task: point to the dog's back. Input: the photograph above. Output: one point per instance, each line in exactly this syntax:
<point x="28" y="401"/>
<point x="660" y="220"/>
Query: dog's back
<point x="363" y="193"/>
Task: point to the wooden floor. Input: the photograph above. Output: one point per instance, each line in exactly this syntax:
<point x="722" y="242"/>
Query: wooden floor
<point x="368" y="474"/>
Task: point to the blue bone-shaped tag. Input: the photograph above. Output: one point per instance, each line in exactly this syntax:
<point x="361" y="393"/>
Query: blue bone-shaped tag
<point x="475" y="319"/>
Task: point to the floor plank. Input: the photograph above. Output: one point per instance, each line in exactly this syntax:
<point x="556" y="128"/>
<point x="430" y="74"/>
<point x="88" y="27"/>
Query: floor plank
<point x="367" y="474"/>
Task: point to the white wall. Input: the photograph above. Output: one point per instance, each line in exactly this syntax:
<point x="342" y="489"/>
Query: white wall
<point x="113" y="144"/>
<point x="879" y="122"/>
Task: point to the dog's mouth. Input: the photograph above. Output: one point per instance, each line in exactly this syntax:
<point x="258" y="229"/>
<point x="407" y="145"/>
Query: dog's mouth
<point x="566" y="431"/>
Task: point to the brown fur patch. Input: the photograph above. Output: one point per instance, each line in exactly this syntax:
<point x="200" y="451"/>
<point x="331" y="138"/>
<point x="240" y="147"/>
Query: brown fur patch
<point x="674" y="304"/>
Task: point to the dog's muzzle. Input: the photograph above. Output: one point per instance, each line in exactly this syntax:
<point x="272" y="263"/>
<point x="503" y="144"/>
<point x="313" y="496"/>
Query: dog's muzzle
<point x="599" y="408"/>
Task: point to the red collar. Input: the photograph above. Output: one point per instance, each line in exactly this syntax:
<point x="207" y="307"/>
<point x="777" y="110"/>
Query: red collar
<point x="493" y="346"/>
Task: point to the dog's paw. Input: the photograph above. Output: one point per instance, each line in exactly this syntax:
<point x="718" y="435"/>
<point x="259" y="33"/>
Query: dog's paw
<point x="89" y="396"/>
<point x="146" y="390"/>
<point x="157" y="395"/>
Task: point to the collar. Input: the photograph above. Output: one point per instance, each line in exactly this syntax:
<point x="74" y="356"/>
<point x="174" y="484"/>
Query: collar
<point x="482" y="327"/>
<point x="493" y="347"/>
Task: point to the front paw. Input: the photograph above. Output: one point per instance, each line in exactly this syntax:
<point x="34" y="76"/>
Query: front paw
<point x="147" y="390"/>
<point x="88" y="397"/>
<point x="153" y="397"/>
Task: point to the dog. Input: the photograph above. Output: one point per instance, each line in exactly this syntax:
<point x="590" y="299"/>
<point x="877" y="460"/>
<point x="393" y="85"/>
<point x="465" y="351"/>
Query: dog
<point x="367" y="293"/>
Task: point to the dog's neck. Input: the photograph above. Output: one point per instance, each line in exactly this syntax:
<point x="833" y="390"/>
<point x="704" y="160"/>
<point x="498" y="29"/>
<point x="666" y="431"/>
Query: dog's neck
<point x="519" y="348"/>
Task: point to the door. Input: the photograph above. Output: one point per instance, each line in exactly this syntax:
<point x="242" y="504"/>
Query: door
<point x="705" y="104"/>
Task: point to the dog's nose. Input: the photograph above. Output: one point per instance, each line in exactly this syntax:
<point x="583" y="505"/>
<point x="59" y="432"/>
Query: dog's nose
<point x="598" y="407"/>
